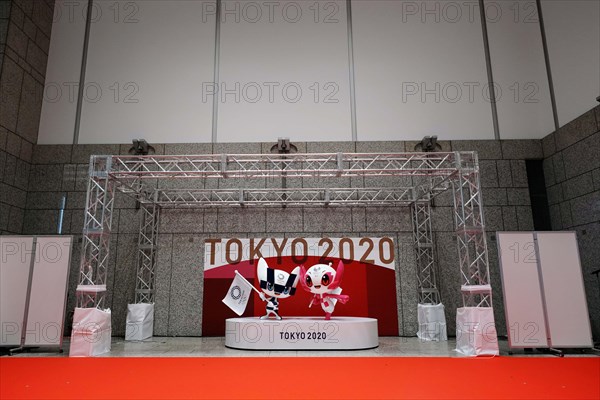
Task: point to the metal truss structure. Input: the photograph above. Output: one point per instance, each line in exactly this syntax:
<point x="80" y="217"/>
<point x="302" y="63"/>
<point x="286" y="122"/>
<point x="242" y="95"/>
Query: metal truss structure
<point x="432" y="173"/>
<point x="146" y="260"/>
<point x="291" y="165"/>
<point x="428" y="291"/>
<point x="284" y="197"/>
<point x="470" y="234"/>
<point x="97" y="227"/>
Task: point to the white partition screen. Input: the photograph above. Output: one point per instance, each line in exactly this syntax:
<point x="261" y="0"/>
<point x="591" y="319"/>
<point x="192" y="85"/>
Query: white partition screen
<point x="522" y="291"/>
<point x="48" y="291"/>
<point x="566" y="305"/>
<point x="15" y="265"/>
<point x="544" y="296"/>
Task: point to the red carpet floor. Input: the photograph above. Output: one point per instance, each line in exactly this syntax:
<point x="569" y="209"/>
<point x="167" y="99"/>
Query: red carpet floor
<point x="299" y="377"/>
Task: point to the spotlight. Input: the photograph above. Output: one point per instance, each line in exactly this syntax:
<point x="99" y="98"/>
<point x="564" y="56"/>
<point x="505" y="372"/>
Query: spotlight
<point x="141" y="148"/>
<point x="428" y="144"/>
<point x="284" y="146"/>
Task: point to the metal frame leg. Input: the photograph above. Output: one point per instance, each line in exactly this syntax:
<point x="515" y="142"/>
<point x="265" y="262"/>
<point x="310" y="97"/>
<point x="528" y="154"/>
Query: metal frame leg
<point x="470" y="234"/>
<point x="475" y="320"/>
<point x="95" y="247"/>
<point x="427" y="287"/>
<point x="146" y="261"/>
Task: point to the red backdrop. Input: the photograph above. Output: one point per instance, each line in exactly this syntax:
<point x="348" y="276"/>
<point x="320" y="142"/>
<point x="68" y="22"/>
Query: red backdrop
<point x="372" y="291"/>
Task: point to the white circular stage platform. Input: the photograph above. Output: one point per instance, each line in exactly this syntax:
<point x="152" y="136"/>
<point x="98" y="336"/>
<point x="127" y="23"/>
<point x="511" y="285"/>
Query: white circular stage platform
<point x="301" y="333"/>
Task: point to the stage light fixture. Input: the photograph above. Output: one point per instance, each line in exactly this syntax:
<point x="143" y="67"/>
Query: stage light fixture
<point x="141" y="148"/>
<point x="284" y="146"/>
<point x="428" y="144"/>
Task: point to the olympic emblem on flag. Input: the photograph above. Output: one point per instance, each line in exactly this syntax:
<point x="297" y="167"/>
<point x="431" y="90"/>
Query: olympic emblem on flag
<point x="236" y="292"/>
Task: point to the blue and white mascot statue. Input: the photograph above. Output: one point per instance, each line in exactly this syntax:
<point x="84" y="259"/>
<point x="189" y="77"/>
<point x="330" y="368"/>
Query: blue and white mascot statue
<point x="275" y="284"/>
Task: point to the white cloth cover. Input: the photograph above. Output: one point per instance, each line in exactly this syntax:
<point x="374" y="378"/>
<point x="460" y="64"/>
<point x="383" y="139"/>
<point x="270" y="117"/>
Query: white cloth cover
<point x="91" y="332"/>
<point x="432" y="322"/>
<point x="140" y="321"/>
<point x="476" y="331"/>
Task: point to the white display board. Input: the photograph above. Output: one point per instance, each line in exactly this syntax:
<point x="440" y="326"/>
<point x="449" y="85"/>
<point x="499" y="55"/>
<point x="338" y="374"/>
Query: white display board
<point x="564" y="294"/>
<point x="34" y="273"/>
<point x="46" y="312"/>
<point x="16" y="254"/>
<point x="544" y="295"/>
<point x="522" y="291"/>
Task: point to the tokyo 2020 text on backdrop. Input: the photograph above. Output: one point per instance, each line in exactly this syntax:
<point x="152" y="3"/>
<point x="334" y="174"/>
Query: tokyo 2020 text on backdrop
<point x="369" y="277"/>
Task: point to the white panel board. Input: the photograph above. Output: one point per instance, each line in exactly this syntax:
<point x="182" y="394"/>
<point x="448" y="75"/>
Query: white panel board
<point x="573" y="35"/>
<point x="566" y="305"/>
<point x="15" y="265"/>
<point x="420" y="70"/>
<point x="147" y="62"/>
<point x="46" y="313"/>
<point x="523" y="304"/>
<point x="63" y="71"/>
<point x="283" y="72"/>
<point x="519" y="68"/>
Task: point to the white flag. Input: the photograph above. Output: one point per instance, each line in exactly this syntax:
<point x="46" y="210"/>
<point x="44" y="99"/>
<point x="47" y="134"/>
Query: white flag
<point x="238" y="295"/>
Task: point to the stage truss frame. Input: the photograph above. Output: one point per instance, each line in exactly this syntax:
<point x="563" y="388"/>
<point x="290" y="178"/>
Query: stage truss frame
<point x="431" y="174"/>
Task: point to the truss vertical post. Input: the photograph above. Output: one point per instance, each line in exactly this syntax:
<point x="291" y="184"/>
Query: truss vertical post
<point x="427" y="287"/>
<point x="470" y="233"/>
<point x="97" y="226"/>
<point x="146" y="260"/>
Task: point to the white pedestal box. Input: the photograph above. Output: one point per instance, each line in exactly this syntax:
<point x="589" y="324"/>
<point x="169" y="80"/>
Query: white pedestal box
<point x="301" y="333"/>
<point x="476" y="331"/>
<point x="91" y="332"/>
<point x="140" y="321"/>
<point x="432" y="322"/>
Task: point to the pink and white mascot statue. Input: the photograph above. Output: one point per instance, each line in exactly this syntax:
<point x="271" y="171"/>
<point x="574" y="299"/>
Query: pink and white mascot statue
<point x="324" y="282"/>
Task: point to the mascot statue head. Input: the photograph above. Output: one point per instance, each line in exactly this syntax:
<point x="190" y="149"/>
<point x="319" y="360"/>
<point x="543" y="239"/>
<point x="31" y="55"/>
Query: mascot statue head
<point x="324" y="283"/>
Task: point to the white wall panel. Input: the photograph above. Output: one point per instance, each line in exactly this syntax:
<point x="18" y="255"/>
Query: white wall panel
<point x="564" y="292"/>
<point x="146" y="65"/>
<point x="57" y="122"/>
<point x="523" y="305"/>
<point x="517" y="54"/>
<point x="283" y="72"/>
<point x="15" y="267"/>
<point x="573" y="35"/>
<point x="48" y="298"/>
<point x="420" y="70"/>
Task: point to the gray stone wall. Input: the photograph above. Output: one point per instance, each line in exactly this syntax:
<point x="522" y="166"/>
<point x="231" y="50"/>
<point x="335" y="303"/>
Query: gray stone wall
<point x="572" y="172"/>
<point x="59" y="170"/>
<point x="25" y="27"/>
<point x="4" y="20"/>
